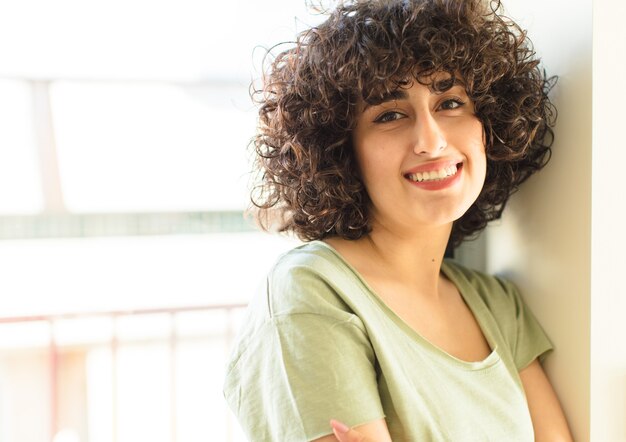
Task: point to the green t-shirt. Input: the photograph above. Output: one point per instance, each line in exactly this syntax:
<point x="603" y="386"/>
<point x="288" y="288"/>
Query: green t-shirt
<point x="318" y="343"/>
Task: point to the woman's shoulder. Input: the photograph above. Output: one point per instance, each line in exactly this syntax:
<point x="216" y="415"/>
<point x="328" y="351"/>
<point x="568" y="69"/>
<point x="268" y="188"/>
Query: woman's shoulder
<point x="307" y="279"/>
<point x="305" y="264"/>
<point x="301" y="287"/>
<point x="521" y="331"/>
<point x="472" y="276"/>
<point x="496" y="292"/>
<point x="314" y="256"/>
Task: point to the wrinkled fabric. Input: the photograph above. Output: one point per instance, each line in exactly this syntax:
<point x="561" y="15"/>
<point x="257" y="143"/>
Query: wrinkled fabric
<point x="318" y="343"/>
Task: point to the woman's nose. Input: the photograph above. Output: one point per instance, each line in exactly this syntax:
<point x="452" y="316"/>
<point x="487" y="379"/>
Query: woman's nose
<point x="429" y="138"/>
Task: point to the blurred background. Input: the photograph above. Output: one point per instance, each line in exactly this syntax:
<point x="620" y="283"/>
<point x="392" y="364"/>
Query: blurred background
<point x="124" y="254"/>
<point x="125" y="258"/>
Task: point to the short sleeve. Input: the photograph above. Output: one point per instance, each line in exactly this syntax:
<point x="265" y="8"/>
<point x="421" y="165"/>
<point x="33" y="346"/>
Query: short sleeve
<point x="529" y="341"/>
<point x="300" y="370"/>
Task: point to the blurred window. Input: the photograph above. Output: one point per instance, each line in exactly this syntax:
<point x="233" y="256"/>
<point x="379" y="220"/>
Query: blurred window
<point x="20" y="186"/>
<point x="124" y="166"/>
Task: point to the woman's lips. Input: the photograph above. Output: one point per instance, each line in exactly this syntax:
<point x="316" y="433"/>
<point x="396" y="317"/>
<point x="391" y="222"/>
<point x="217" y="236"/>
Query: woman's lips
<point x="437" y="183"/>
<point x="435" y="165"/>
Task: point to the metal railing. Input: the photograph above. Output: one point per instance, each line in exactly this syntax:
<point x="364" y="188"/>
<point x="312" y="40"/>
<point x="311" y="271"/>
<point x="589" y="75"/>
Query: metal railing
<point x="172" y="337"/>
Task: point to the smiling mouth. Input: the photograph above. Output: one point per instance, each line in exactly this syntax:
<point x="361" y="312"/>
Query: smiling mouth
<point x="435" y="175"/>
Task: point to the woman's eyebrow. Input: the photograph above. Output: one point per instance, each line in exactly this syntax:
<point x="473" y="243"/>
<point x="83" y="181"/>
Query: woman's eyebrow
<point x="446" y="85"/>
<point x="398" y="94"/>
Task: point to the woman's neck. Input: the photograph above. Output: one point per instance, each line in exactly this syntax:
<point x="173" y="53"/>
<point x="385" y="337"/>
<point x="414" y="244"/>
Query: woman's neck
<point x="412" y="259"/>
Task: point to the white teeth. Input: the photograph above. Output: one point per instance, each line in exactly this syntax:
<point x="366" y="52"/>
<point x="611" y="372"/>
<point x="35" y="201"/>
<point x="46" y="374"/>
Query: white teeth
<point x="433" y="175"/>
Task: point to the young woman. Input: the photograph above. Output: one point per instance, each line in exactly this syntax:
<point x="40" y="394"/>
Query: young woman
<point x="393" y="130"/>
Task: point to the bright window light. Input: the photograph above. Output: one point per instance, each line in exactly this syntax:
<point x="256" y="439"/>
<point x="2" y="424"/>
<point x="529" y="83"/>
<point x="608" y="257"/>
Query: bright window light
<point x="149" y="112"/>
<point x="127" y="147"/>
<point x="103" y="274"/>
<point x="20" y="187"/>
<point x="143" y="39"/>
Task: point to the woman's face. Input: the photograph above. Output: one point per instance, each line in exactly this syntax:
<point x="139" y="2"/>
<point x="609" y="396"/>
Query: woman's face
<point x="421" y="155"/>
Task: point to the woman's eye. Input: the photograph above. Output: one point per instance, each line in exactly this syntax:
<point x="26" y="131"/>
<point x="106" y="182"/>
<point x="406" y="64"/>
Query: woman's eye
<point x="388" y="116"/>
<point x="453" y="103"/>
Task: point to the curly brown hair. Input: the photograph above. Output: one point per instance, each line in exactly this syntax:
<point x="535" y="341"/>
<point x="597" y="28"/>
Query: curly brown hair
<point x="308" y="175"/>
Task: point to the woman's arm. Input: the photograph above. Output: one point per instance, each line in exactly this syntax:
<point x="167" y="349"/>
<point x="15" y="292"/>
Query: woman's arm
<point x="375" y="431"/>
<point x="548" y="419"/>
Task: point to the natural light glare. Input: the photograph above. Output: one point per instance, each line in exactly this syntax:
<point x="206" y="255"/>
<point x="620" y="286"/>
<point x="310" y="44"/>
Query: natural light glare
<point x="143" y="393"/>
<point x="148" y="108"/>
<point x="35" y="334"/>
<point x="20" y="186"/>
<point x="25" y="395"/>
<point x="136" y="328"/>
<point x="166" y="39"/>
<point x="133" y="386"/>
<point x="87" y="274"/>
<point x="82" y="331"/>
<point x="66" y="435"/>
<point x="152" y="147"/>
<point x="99" y="394"/>
<point x="212" y="322"/>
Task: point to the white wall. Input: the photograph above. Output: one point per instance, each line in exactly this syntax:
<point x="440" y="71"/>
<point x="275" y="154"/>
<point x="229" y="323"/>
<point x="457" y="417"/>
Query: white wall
<point x="608" y="295"/>
<point x="544" y="239"/>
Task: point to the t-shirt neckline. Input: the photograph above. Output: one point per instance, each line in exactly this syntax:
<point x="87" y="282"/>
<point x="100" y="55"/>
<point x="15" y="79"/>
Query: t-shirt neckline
<point x="471" y="298"/>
